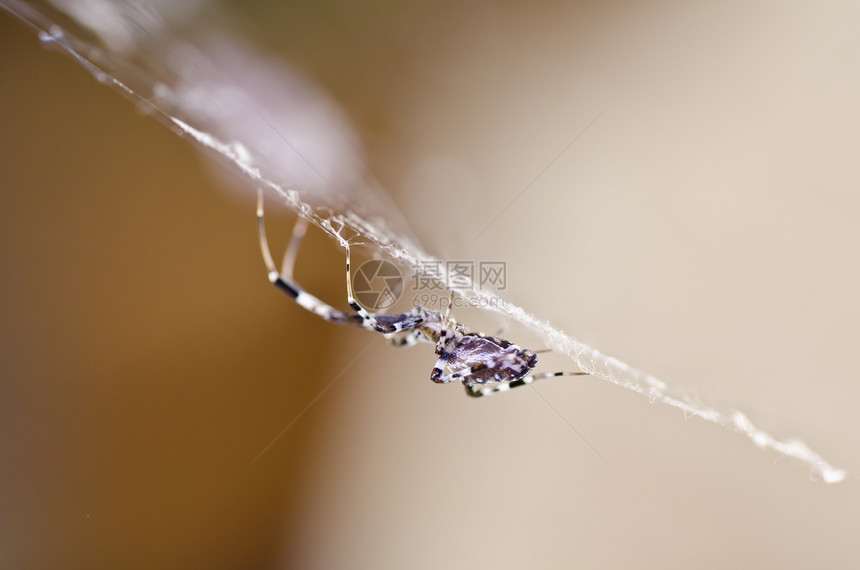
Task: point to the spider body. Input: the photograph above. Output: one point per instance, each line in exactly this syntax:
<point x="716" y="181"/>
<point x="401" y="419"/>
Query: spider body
<point x="487" y="359"/>
<point x="474" y="359"/>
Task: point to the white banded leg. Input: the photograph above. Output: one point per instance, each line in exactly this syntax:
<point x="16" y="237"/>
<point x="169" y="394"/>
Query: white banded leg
<point x="289" y="261"/>
<point x="394" y="323"/>
<point x="436" y="375"/>
<point x="406" y="340"/>
<point x="443" y="337"/>
<point x="480" y="392"/>
<point x="283" y="279"/>
<point x="368" y="320"/>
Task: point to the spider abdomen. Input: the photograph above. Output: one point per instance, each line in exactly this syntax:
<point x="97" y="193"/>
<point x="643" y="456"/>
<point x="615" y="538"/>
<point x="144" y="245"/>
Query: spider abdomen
<point x="490" y="359"/>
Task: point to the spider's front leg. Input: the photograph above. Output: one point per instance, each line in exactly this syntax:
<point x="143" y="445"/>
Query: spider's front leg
<point x="368" y="320"/>
<point x="283" y="278"/>
<point x="406" y="340"/>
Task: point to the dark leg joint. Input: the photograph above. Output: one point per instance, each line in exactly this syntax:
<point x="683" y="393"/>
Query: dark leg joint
<point x="286" y="287"/>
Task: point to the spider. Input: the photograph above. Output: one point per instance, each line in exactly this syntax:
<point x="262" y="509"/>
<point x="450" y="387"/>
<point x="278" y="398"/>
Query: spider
<point x="484" y="364"/>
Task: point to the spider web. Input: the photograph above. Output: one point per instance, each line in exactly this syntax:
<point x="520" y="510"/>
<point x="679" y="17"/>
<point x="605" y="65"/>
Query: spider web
<point x="221" y="93"/>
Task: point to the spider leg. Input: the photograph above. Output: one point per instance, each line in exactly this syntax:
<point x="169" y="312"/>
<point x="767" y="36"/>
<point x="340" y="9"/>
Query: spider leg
<point x="474" y="392"/>
<point x="283" y="279"/>
<point x="368" y="320"/>
<point x="405" y="340"/>
<point x="289" y="261"/>
<point x="437" y="375"/>
<point x="446" y="330"/>
<point x="463" y="374"/>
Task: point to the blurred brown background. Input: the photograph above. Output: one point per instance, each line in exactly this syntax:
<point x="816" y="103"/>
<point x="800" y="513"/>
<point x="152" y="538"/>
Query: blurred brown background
<point x="704" y="229"/>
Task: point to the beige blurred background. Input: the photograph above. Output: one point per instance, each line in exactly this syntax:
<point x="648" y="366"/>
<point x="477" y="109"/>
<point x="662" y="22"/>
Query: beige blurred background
<point x="704" y="229"/>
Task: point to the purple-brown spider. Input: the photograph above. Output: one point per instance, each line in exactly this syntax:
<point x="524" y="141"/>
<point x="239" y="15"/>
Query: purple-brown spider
<point x="484" y="364"/>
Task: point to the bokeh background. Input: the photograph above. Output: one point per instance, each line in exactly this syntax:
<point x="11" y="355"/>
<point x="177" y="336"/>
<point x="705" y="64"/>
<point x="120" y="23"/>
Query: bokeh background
<point x="704" y="229"/>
